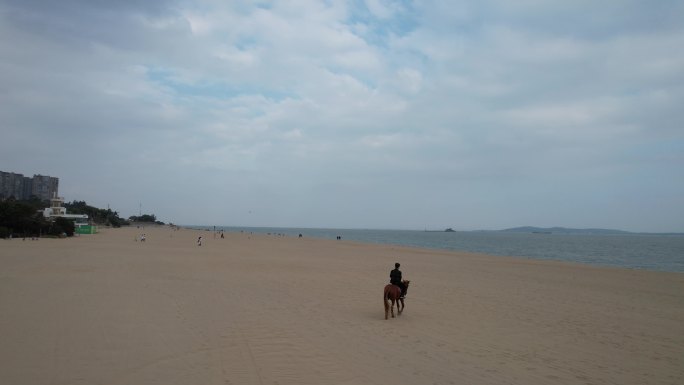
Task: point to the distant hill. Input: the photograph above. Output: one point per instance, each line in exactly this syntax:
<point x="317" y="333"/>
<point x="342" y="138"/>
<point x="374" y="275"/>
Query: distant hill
<point x="562" y="230"/>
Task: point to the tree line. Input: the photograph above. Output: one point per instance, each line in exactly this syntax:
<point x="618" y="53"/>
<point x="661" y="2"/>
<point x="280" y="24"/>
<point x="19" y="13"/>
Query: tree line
<point x="24" y="218"/>
<point x="98" y="216"/>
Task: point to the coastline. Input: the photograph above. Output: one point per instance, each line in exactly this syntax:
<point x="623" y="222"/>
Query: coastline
<point x="656" y="252"/>
<point x="254" y="309"/>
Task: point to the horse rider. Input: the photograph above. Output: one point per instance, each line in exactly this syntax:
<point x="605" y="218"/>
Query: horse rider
<point x="395" y="279"/>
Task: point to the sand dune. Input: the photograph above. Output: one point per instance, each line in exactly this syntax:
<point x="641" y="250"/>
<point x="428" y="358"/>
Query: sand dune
<point x="256" y="309"/>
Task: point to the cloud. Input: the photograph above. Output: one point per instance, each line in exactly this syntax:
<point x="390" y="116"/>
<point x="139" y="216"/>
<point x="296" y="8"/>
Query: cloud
<point x="284" y="107"/>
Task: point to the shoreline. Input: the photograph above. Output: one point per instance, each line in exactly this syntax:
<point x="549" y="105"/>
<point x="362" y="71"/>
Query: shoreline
<point x="254" y="309"/>
<point x="629" y="250"/>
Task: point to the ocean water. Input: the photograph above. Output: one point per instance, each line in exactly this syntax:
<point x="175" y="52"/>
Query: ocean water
<point x="635" y="251"/>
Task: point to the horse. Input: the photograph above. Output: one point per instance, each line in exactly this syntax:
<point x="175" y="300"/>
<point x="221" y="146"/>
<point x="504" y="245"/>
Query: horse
<point x="393" y="293"/>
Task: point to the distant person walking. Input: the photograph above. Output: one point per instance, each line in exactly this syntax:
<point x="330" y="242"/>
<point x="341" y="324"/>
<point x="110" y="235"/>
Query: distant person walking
<point x="199" y="241"/>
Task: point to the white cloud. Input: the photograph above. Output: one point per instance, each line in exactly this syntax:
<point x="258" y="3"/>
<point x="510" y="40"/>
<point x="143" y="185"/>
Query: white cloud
<point x="322" y="101"/>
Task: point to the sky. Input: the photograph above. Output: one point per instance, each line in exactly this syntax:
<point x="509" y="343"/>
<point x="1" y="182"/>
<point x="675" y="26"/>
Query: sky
<point x="484" y="114"/>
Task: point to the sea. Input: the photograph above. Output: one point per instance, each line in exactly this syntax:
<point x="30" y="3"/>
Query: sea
<point x="658" y="252"/>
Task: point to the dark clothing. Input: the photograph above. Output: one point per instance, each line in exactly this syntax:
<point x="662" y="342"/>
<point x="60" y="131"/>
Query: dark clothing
<point x="395" y="279"/>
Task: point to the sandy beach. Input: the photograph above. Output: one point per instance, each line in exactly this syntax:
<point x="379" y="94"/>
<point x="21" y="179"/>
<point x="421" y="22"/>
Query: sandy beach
<point x="257" y="309"/>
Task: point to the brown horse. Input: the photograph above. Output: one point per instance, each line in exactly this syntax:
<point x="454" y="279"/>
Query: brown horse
<point x="393" y="293"/>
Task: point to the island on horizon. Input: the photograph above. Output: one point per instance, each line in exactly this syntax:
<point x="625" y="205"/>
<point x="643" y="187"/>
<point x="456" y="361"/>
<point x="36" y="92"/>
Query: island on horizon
<point x="566" y="230"/>
<point x="561" y="230"/>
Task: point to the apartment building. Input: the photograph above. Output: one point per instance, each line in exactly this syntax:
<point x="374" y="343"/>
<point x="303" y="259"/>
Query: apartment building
<point x="21" y="187"/>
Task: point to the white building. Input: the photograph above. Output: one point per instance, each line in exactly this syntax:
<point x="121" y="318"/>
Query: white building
<point x="57" y="210"/>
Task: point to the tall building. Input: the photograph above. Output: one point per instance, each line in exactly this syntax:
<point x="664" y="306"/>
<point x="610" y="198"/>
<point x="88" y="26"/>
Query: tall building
<point x="11" y="185"/>
<point x="44" y="187"/>
<point x="21" y="187"/>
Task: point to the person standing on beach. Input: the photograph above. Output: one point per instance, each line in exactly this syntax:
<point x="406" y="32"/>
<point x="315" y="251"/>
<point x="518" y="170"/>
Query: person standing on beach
<point x="395" y="279"/>
<point x="199" y="241"/>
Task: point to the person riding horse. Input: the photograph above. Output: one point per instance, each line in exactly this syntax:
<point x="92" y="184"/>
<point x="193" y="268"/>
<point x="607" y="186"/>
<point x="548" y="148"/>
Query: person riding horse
<point x="395" y="279"/>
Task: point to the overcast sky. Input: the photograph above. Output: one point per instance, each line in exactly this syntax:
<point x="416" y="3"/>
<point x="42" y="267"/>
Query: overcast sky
<point x="361" y="114"/>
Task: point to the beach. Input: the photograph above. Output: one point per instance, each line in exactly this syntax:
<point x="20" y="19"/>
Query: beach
<point x="267" y="309"/>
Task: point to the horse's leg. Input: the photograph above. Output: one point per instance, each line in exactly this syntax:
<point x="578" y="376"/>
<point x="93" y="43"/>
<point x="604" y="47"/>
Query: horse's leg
<point x="400" y="309"/>
<point x="384" y="299"/>
<point x="393" y="307"/>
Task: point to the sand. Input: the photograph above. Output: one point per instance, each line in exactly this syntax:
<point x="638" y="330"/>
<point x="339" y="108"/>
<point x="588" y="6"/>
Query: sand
<point x="259" y="309"/>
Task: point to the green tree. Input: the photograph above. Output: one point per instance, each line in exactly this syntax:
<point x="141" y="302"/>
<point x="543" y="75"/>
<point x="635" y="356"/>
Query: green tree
<point x="143" y="218"/>
<point x="100" y="216"/>
<point x="62" y="226"/>
<point x="20" y="218"/>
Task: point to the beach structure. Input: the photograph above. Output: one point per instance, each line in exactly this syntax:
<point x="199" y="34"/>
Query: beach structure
<point x="57" y="210"/>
